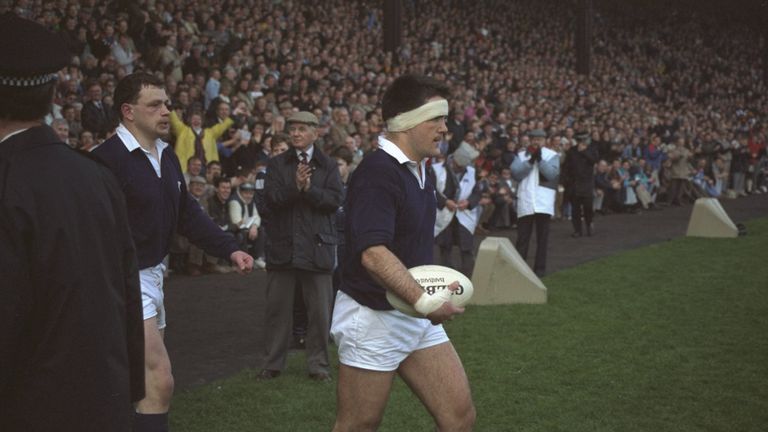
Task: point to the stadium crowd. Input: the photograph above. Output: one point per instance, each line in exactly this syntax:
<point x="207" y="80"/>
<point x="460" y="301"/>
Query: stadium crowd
<point x="675" y="104"/>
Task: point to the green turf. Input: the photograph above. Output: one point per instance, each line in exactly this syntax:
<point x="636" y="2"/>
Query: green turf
<point x="671" y="337"/>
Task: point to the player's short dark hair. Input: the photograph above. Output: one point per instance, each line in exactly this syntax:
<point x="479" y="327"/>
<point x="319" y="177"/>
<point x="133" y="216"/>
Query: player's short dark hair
<point x="26" y="103"/>
<point x="128" y="89"/>
<point x="408" y="92"/>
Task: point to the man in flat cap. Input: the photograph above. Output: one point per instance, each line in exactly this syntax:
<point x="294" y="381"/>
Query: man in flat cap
<point x="579" y="181"/>
<point x="71" y="335"/>
<point x="303" y="192"/>
<point x="537" y="168"/>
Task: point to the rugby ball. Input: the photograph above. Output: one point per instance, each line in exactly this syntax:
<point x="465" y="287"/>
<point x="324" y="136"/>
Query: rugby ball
<point x="434" y="278"/>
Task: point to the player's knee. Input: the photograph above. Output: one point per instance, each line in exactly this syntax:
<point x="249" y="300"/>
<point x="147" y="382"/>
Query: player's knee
<point x="162" y="383"/>
<point x="461" y="418"/>
<point x="166" y="385"/>
<point x="358" y="425"/>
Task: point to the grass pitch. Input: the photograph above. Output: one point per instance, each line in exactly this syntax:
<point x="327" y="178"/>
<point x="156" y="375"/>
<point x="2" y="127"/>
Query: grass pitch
<point x="671" y="337"/>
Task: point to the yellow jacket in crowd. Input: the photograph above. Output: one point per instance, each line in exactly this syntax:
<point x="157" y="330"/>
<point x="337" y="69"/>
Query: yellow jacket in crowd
<point x="185" y="139"/>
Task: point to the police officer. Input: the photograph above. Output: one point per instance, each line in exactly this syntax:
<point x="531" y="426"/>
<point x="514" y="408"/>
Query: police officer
<point x="71" y="333"/>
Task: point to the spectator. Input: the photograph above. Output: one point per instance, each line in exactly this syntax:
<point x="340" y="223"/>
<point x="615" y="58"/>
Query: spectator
<point x="303" y="192"/>
<point x="643" y="185"/>
<point x="70" y="115"/>
<point x="185" y="256"/>
<point x="217" y="207"/>
<point x="194" y="168"/>
<point x="579" y="181"/>
<point x="503" y="196"/>
<point x="457" y="128"/>
<point x="95" y="115"/>
<point x="125" y="53"/>
<point x="739" y="165"/>
<point x="757" y="151"/>
<point x="170" y="59"/>
<point x="343" y="158"/>
<point x="212" y="87"/>
<point x="245" y="217"/>
<point x="342" y="127"/>
<point x="537" y="168"/>
<point x="704" y="182"/>
<point x="86" y="141"/>
<point x="193" y="140"/>
<point x="680" y="173"/>
<point x="719" y="175"/>
<point x="61" y="127"/>
<point x="457" y="191"/>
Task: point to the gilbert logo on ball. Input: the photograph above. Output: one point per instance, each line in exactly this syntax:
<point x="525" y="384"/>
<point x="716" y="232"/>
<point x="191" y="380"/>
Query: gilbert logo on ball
<point x="434" y="278"/>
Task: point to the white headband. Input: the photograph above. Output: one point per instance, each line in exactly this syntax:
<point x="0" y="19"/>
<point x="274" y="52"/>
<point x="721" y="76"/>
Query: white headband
<point x="409" y="119"/>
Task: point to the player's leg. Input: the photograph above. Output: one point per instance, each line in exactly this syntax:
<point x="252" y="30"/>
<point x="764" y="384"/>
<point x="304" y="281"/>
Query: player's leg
<point x="361" y="397"/>
<point x="152" y="411"/>
<point x="369" y="355"/>
<point x="436" y="376"/>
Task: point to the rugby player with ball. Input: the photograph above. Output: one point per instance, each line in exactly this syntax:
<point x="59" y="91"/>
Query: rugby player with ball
<point x="390" y="221"/>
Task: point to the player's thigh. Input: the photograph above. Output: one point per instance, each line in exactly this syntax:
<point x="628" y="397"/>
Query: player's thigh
<point x="437" y="377"/>
<point x="361" y="398"/>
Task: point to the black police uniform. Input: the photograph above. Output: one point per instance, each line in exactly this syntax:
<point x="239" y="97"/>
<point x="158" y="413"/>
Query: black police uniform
<point x="71" y="328"/>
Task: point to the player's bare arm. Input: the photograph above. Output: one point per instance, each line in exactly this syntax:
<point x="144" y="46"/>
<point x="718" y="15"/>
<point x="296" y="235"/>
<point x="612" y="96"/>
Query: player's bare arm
<point x="390" y="272"/>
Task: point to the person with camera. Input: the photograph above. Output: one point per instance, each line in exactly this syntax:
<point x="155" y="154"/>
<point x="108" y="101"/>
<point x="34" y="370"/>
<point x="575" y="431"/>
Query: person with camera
<point x="537" y="168"/>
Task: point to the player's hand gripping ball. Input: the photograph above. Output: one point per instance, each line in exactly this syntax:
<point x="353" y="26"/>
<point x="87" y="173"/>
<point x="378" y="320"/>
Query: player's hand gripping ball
<point x="435" y="279"/>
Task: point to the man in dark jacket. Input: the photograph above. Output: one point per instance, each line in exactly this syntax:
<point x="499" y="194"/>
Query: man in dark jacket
<point x="303" y="192"/>
<point x="579" y="181"/>
<point x="71" y="334"/>
<point x="95" y="117"/>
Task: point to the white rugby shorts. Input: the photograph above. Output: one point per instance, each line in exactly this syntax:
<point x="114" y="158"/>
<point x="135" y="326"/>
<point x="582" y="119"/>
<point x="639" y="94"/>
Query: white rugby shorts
<point x="379" y="340"/>
<point x="152" y="293"/>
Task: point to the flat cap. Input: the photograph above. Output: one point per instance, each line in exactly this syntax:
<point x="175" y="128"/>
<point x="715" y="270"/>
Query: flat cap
<point x="30" y="55"/>
<point x="537" y="133"/>
<point x="303" y="117"/>
<point x="197" y="179"/>
<point x="247" y="186"/>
